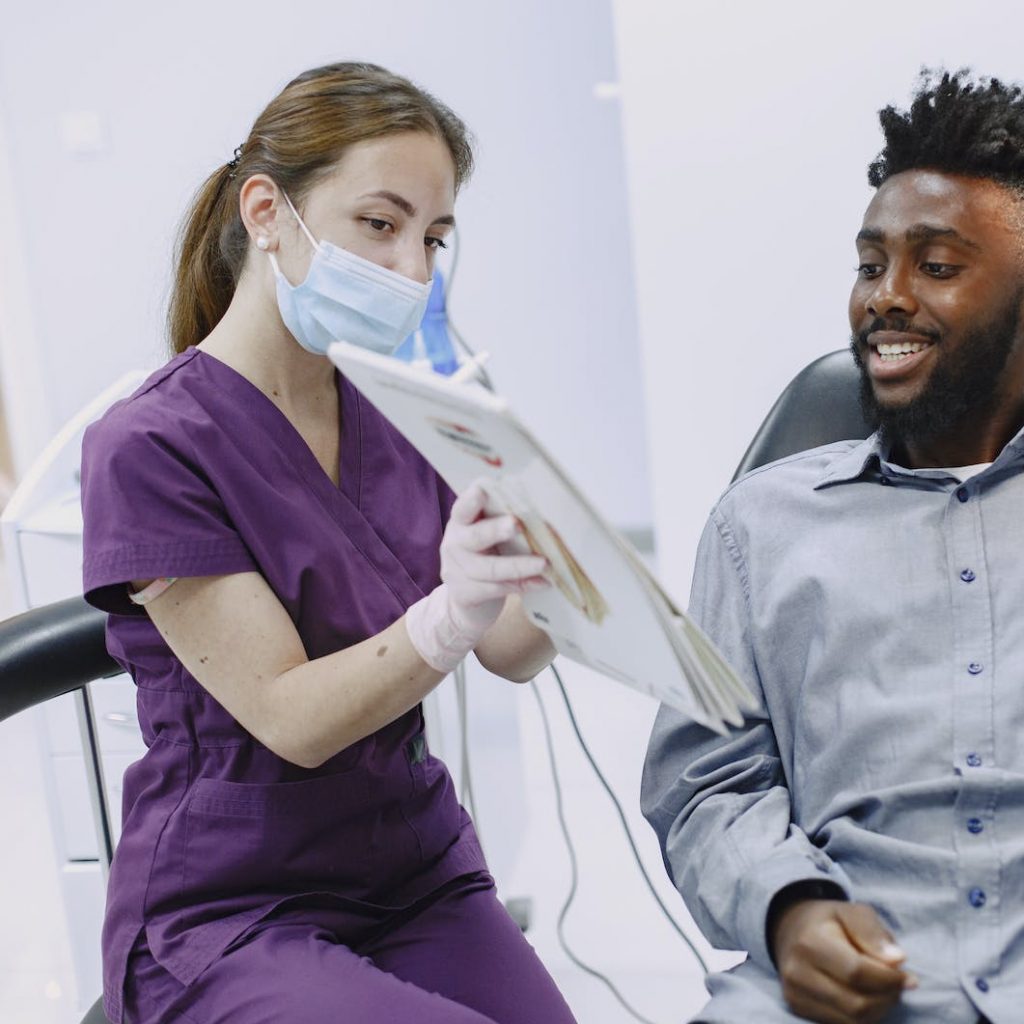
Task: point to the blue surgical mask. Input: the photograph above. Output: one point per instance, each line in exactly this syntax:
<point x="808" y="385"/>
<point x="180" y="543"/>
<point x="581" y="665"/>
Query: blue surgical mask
<point x="347" y="298"/>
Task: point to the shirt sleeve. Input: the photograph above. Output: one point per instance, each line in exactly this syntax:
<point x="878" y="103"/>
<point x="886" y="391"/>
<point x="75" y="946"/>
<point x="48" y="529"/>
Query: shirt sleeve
<point x="149" y="509"/>
<point x="721" y="805"/>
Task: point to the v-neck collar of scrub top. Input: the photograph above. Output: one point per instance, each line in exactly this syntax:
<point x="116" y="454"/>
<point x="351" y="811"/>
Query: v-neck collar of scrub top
<point x="276" y="423"/>
<point x="345" y="502"/>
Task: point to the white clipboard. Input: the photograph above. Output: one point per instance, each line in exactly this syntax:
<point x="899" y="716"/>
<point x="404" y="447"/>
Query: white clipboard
<point x="605" y="609"/>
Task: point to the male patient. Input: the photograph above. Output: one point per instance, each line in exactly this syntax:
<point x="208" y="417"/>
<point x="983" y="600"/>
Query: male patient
<point x="863" y="835"/>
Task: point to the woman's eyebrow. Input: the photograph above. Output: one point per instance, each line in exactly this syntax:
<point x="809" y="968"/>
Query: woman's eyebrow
<point x="404" y="205"/>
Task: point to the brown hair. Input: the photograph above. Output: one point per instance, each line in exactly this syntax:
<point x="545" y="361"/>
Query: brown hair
<point x="300" y="136"/>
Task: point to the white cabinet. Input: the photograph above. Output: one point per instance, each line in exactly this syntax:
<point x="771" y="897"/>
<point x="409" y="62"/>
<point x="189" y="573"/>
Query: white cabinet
<point x="42" y="538"/>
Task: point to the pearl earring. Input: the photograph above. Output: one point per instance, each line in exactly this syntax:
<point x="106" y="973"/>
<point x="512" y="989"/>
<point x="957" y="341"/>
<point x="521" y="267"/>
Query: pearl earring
<point x="262" y="243"/>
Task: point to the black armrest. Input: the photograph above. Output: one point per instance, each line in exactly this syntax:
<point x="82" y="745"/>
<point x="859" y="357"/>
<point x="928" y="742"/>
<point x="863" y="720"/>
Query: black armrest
<point x="49" y="651"/>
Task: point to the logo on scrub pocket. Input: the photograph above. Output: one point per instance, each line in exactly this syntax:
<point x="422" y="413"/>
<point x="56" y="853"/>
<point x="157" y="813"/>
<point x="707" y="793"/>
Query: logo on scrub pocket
<point x="468" y="440"/>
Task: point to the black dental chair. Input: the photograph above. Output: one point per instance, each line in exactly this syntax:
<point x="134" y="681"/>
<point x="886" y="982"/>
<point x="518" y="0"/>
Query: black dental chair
<point x="821" y="404"/>
<point x="58" y="648"/>
<point x="50" y="651"/>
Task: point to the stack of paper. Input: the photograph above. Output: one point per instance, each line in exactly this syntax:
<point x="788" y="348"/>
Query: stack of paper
<point x="605" y="609"/>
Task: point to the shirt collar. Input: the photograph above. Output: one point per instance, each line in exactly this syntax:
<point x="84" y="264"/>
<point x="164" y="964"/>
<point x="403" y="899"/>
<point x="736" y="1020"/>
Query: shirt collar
<point x="852" y="464"/>
<point x="872" y="454"/>
<point x="1016" y="443"/>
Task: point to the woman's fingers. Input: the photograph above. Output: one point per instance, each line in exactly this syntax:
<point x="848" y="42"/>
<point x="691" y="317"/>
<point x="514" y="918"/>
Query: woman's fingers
<point x="498" y="568"/>
<point x="470" y="504"/>
<point x="484" y="533"/>
<point x="468" y="559"/>
<point x="480" y="592"/>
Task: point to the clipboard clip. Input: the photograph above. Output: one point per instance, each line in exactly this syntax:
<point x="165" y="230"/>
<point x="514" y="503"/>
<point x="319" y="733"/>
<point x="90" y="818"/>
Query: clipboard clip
<point x="470" y="369"/>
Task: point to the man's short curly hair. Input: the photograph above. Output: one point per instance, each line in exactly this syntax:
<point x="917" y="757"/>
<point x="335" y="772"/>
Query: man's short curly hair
<point x="958" y="125"/>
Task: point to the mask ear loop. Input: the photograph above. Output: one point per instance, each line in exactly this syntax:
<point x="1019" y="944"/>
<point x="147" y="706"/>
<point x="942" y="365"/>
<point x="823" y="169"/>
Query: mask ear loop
<point x="312" y="241"/>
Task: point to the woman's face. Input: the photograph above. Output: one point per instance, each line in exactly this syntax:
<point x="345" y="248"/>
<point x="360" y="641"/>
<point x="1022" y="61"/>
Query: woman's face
<point x="390" y="200"/>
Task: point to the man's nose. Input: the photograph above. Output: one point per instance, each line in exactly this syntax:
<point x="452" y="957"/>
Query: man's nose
<point x="892" y="294"/>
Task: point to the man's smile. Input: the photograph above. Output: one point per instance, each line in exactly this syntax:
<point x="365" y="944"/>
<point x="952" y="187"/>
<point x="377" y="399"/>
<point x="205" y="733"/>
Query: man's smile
<point x="895" y="354"/>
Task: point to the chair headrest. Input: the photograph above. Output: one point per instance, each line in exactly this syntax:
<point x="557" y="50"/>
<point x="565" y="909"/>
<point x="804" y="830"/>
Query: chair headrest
<point x="820" y="405"/>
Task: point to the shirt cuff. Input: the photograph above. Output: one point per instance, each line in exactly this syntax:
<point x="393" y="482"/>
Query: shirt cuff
<point x="764" y="883"/>
<point x="798" y="892"/>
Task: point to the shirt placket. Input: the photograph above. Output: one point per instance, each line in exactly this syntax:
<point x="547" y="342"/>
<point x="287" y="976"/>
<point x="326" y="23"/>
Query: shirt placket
<point x="973" y="756"/>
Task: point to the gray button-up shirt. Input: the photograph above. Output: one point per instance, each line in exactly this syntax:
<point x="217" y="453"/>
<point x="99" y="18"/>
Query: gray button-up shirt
<point x="878" y="614"/>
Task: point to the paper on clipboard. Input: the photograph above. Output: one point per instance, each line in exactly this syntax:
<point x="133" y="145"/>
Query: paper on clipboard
<point x="605" y="609"/>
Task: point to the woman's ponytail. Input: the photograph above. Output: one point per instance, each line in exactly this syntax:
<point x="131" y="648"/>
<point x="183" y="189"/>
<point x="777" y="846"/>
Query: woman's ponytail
<point x="204" y="281"/>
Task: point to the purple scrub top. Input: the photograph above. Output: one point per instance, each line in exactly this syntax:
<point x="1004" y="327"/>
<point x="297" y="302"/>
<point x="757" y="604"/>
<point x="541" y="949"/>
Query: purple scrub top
<point x="198" y="473"/>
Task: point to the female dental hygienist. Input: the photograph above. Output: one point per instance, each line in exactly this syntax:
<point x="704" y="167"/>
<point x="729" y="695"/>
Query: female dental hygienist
<point x="271" y="552"/>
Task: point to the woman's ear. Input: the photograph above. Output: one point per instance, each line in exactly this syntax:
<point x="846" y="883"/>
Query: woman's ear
<point x="259" y="202"/>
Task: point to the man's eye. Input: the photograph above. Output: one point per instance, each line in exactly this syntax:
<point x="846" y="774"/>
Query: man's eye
<point x="869" y="270"/>
<point x="939" y="269"/>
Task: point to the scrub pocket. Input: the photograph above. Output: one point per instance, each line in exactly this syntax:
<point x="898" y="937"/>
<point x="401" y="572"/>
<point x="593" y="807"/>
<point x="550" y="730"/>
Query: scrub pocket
<point x="280" y="838"/>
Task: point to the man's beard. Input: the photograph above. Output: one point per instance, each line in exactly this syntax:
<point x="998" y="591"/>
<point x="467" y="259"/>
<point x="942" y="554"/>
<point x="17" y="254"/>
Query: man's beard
<point x="964" y="382"/>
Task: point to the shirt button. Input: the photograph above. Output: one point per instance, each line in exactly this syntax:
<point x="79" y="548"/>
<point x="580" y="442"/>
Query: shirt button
<point x="977" y="898"/>
<point x="974" y="826"/>
<point x="973" y="760"/>
<point x="961" y="493"/>
<point x="975" y="668"/>
<point x="968" y="576"/>
<point x="981" y="985"/>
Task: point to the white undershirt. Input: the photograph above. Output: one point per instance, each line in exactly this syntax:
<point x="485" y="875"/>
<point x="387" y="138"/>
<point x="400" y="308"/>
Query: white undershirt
<point x="966" y="472"/>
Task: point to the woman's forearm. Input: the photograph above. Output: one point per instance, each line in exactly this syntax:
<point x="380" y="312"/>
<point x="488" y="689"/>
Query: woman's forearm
<point x="233" y="635"/>
<point x="513" y="647"/>
<point x="326" y="705"/>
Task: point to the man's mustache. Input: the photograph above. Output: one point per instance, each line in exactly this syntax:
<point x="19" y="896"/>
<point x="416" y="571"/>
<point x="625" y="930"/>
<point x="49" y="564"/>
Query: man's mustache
<point x="899" y="326"/>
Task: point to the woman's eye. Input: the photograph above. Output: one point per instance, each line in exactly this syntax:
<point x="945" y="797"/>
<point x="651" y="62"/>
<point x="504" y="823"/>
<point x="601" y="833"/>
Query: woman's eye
<point x="377" y="223"/>
<point x="435" y="243"/>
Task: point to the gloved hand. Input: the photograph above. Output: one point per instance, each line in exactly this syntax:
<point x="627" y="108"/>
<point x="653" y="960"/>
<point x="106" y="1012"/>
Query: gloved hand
<point x="452" y="619"/>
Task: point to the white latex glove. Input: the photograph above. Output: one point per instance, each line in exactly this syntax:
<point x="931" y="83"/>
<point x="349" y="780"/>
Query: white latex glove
<point x="452" y="619"/>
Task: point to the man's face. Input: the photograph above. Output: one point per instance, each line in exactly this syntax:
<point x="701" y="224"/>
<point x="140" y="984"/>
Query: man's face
<point x="936" y="307"/>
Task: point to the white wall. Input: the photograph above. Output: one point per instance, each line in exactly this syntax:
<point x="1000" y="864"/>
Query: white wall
<point x="545" y="278"/>
<point x="23" y="406"/>
<point x="749" y="128"/>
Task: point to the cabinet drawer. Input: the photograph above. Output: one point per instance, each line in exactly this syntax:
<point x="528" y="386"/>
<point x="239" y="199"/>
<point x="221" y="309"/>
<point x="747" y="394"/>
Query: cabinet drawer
<point x="117" y="723"/>
<point x="82" y="886"/>
<point x="74" y="806"/>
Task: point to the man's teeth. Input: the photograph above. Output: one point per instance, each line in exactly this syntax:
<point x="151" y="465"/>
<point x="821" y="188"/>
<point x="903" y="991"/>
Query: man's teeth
<point x="890" y="353"/>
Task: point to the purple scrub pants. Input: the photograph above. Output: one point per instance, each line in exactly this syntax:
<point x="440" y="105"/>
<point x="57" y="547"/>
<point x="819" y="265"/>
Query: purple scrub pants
<point x="454" y="958"/>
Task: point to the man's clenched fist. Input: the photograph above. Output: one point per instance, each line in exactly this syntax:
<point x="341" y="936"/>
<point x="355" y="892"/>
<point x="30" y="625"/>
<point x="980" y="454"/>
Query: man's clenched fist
<point x="837" y="963"/>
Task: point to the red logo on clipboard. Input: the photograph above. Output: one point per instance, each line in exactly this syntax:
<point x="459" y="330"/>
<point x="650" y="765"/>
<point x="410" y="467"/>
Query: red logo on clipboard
<point x="468" y="440"/>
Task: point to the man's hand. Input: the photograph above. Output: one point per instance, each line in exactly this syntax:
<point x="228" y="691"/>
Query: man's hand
<point x="837" y="963"/>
